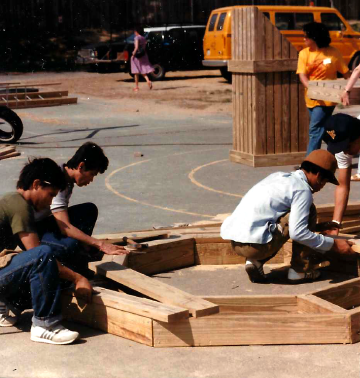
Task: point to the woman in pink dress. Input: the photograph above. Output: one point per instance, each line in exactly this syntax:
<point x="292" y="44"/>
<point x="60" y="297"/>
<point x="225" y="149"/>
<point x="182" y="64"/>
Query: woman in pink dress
<point x="140" y="65"/>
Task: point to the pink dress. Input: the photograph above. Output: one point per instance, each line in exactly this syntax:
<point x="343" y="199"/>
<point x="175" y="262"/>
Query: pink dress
<point x="141" y="65"/>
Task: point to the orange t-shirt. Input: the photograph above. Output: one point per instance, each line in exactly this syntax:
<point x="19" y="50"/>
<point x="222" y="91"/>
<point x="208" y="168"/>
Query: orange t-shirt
<point x="322" y="64"/>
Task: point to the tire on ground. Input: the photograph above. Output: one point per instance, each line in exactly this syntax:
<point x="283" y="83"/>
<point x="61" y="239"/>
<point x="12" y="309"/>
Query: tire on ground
<point x="15" y="123"/>
<point x="158" y="73"/>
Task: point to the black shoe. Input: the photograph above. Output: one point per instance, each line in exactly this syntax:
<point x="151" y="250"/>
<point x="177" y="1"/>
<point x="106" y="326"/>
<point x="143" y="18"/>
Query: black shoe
<point x="256" y="274"/>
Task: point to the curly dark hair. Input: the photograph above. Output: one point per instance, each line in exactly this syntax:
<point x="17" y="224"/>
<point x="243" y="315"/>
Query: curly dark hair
<point x="318" y="32"/>
<point x="43" y="169"/>
<point x="92" y="156"/>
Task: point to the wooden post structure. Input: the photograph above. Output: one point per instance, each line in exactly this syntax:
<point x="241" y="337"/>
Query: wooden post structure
<point x="270" y="119"/>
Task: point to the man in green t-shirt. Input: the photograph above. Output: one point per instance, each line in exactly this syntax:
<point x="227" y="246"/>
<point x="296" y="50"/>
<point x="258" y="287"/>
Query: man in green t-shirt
<point x="35" y="271"/>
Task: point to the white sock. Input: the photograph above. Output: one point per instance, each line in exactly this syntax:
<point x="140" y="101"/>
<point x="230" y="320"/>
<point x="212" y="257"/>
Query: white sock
<point x="292" y="275"/>
<point x="253" y="262"/>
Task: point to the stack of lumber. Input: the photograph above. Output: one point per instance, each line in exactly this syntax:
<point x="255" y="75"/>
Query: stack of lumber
<point x="21" y="96"/>
<point x="331" y="90"/>
<point x="7" y="151"/>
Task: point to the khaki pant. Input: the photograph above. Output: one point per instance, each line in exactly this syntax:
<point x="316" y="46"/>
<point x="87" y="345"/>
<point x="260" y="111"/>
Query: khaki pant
<point x="303" y="258"/>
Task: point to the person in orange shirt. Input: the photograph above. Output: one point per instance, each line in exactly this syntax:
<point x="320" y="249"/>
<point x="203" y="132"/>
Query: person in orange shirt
<point x="319" y="61"/>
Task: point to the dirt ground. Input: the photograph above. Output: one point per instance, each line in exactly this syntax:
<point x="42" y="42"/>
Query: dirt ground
<point x="201" y="92"/>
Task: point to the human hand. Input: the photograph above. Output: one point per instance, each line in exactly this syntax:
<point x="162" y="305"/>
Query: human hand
<point x="343" y="247"/>
<point x="111" y="249"/>
<point x="328" y="228"/>
<point x="345" y="98"/>
<point x="83" y="288"/>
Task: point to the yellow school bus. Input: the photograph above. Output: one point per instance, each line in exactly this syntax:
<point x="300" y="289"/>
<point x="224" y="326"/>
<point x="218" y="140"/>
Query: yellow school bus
<point x="290" y="21"/>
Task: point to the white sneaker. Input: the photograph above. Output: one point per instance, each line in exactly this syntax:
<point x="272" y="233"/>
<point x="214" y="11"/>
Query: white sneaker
<point x="56" y="335"/>
<point x="296" y="277"/>
<point x="6" y="320"/>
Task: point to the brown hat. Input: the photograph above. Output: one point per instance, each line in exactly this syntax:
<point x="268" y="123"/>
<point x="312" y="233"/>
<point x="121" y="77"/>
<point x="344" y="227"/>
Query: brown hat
<point x="325" y="160"/>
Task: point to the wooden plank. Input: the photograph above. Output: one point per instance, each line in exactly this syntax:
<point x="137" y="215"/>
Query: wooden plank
<point x="10" y="155"/>
<point x="26" y="85"/>
<point x="226" y="329"/>
<point x="310" y="304"/>
<point x="355" y="327"/>
<point x="255" y="304"/>
<point x="155" y="289"/>
<point x="39" y="103"/>
<point x="130" y="326"/>
<point x="263" y="66"/>
<point x="164" y="255"/>
<point x="352" y="208"/>
<point x="7" y="150"/>
<point x="331" y="90"/>
<point x="33" y="95"/>
<point x="223" y="254"/>
<point x="345" y="295"/>
<point x="137" y="236"/>
<point x="135" y="305"/>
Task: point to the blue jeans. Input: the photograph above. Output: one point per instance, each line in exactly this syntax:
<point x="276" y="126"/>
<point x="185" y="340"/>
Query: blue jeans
<point x="318" y="116"/>
<point x="31" y="280"/>
<point x="68" y="250"/>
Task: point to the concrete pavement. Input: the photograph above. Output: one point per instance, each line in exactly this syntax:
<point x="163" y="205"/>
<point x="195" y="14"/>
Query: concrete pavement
<point x="184" y="175"/>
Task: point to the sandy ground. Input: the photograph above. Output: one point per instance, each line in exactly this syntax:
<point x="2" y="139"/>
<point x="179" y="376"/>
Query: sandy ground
<point x="201" y="92"/>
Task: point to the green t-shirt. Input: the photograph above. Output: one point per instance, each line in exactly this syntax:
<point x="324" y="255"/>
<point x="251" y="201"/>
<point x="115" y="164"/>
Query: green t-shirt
<point x="16" y="215"/>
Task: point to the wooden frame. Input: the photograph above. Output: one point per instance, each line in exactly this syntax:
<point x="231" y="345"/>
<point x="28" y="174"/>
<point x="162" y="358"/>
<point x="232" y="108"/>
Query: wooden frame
<point x="169" y="317"/>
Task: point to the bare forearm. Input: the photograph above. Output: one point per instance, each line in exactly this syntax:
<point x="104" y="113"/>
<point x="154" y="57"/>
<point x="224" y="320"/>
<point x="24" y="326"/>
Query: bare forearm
<point x="73" y="232"/>
<point x="304" y="80"/>
<point x="341" y="200"/>
<point x="67" y="274"/>
<point x="353" y="78"/>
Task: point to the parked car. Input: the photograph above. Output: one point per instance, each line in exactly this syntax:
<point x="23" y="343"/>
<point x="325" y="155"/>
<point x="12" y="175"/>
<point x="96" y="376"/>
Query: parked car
<point x="290" y="21"/>
<point x="170" y="48"/>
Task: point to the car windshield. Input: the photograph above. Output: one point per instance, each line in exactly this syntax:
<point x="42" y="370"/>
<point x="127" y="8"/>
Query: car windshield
<point x="132" y="36"/>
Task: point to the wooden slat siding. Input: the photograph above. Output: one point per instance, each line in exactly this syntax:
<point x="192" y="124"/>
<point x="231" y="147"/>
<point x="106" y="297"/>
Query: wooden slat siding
<point x="234" y="329"/>
<point x="260" y="114"/>
<point x="345" y="295"/>
<point x="251" y="45"/>
<point x="259" y="82"/>
<point x="235" y="93"/>
<point x="278" y="94"/>
<point x="269" y="54"/>
<point x="294" y="112"/>
<point x="285" y="94"/>
<point x="120" y="323"/>
<point x="303" y="120"/>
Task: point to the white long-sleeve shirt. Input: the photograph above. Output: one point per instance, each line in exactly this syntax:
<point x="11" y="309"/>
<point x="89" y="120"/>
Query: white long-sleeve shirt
<point x="254" y="219"/>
